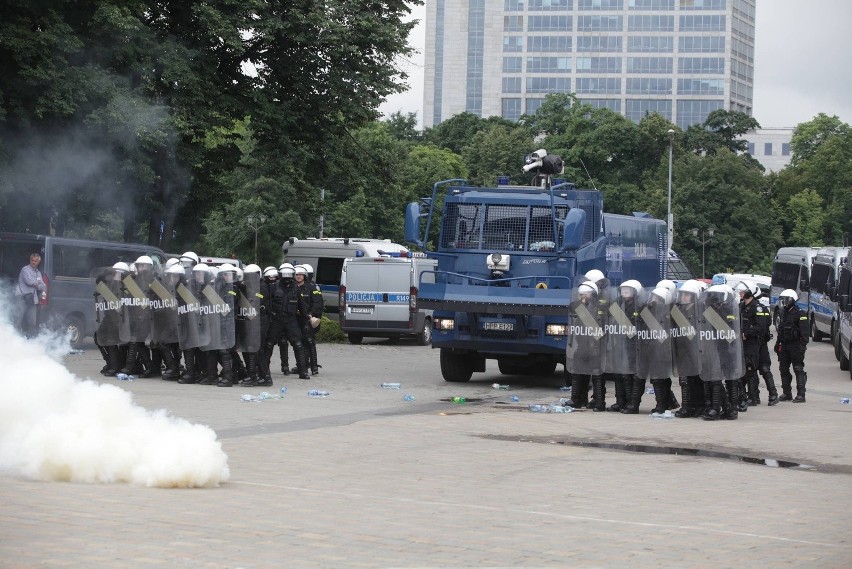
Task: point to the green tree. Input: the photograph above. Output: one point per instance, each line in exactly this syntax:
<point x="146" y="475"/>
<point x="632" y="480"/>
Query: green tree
<point x="721" y="129"/>
<point x="807" y="219"/>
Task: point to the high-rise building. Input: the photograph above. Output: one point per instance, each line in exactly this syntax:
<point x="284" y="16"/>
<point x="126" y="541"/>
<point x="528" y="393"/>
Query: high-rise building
<point x="680" y="58"/>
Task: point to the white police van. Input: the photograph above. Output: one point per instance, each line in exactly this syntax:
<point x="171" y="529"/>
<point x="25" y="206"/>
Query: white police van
<point x="822" y="303"/>
<point x="326" y="256"/>
<point x="843" y="338"/>
<point x="792" y="270"/>
<point x="378" y="297"/>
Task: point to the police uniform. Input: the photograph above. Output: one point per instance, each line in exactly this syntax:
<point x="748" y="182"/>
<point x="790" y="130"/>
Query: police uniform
<point x="790" y="346"/>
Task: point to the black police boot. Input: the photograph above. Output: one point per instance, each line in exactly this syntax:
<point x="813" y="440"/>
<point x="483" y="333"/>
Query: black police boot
<point x="801" y="380"/>
<point x="239" y="369"/>
<point x="576" y="385"/>
<point x="301" y="360"/>
<point x="172" y="371"/>
<point x="734" y="400"/>
<point x="212" y="375"/>
<point x="673" y="402"/>
<point x="227" y="379"/>
<point x="130" y="365"/>
<point x="599" y="391"/>
<point x="189" y="374"/>
<point x="113" y="361"/>
<point x="739" y="401"/>
<point x="718" y="402"/>
<point x="148" y="369"/>
<point x="251" y="368"/>
<point x="283" y="351"/>
<point x="770" y="385"/>
<point x="620" y="394"/>
<point x="105" y="355"/>
<point x="312" y="357"/>
<point x="264" y="373"/>
<point x="786" y="386"/>
<point x="685" y="410"/>
<point x="661" y="396"/>
<point x="637" y="392"/>
<point x="753" y="388"/>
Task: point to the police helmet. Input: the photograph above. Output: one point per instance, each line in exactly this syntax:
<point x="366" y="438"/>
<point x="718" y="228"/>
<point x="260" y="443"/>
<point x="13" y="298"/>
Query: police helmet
<point x="144" y="260"/>
<point x="718" y="294"/>
<point x="631" y="288"/>
<point x="666" y="284"/>
<point x="788" y="298"/>
<point x="251" y="268"/>
<point x="288" y="272"/>
<point x="661" y="293"/>
<point x="175" y="269"/>
<point x="200" y="267"/>
<point x="587" y="288"/>
<point x="308" y="268"/>
<point x="270" y="273"/>
<point x="121" y="266"/>
<point x="301" y="270"/>
<point x="689" y="291"/>
<point x="228" y="271"/>
<point x="595" y="275"/>
<point x="189" y="259"/>
<point x="284" y="266"/>
<point x="239" y="272"/>
<point x="172" y="262"/>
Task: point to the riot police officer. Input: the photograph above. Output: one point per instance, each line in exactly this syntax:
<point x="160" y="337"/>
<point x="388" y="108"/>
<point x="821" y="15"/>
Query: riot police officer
<point x="287" y="308"/>
<point x="310" y="326"/>
<point x="791" y="345"/>
<point x="752" y="334"/>
<point x="585" y="346"/>
<point x="686" y="353"/>
<point x="268" y="284"/>
<point x="764" y="316"/>
<point x="721" y="350"/>
<point x="283" y="346"/>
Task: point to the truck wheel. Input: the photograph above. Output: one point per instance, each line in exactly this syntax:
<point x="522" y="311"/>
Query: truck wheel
<point x="456" y="368"/>
<point x="355" y="338"/>
<point x="815" y="334"/>
<point x="510" y="367"/>
<point x="844" y="361"/>
<point x="545" y="369"/>
<point x="74" y="330"/>
<point x="835" y="341"/>
<point x="424" y="338"/>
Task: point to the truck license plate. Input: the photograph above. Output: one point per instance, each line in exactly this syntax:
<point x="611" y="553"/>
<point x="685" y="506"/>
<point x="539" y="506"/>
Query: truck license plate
<point x="500" y="326"/>
<point x="361" y="309"/>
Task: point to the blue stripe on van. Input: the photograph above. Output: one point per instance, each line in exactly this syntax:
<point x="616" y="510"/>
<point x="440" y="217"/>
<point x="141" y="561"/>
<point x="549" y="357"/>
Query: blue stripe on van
<point x="376" y="297"/>
<point x="330" y="288"/>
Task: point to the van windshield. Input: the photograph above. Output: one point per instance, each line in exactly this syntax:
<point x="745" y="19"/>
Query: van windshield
<point x="785" y="275"/>
<point x="503" y="227"/>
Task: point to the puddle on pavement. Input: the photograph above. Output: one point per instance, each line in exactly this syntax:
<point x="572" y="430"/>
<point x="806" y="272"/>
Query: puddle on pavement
<point x="684" y="451"/>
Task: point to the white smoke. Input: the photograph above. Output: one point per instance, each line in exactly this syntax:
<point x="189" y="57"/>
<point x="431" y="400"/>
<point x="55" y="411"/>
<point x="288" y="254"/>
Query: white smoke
<point x="54" y="426"/>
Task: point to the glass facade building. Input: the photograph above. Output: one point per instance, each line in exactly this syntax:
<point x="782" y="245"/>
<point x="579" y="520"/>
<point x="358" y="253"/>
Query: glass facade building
<point x="680" y="58"/>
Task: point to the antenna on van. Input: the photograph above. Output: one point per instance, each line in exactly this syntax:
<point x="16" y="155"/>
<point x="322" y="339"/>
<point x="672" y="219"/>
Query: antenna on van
<point x="587" y="172"/>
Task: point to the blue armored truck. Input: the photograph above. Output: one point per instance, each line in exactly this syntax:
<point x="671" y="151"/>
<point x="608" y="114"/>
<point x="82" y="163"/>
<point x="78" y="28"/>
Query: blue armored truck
<point x="508" y="257"/>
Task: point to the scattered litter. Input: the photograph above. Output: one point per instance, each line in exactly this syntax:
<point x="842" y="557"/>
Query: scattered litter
<point x="845" y="401"/>
<point x="458" y="400"/>
<point x="75" y="352"/>
<point x="649" y="391"/>
<point x="664" y="415"/>
<point x="391" y="385"/>
<point x="317" y="393"/>
<point x="549" y="408"/>
<point x="565" y="388"/>
<point x="515" y="398"/>
<point x="124" y="377"/>
<point x="498" y="386"/>
<point x="408" y="397"/>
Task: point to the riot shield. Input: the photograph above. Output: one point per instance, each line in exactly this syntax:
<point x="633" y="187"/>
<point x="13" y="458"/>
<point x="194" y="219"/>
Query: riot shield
<point x="108" y="311"/>
<point x="164" y="315"/>
<point x="584" y="350"/>
<point x="248" y="314"/>
<point x="136" y="308"/>
<point x="620" y="336"/>
<point x="217" y="308"/>
<point x="653" y="331"/>
<point x="720" y="340"/>
<point x="686" y="355"/>
<point x="192" y="328"/>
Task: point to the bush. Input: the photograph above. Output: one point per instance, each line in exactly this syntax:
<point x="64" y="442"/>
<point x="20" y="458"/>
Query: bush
<point x="330" y="332"/>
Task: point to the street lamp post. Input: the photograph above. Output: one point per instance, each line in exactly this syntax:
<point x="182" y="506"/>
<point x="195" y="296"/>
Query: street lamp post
<point x="670" y="217"/>
<point x="710" y="231"/>
<point x="255" y="222"/>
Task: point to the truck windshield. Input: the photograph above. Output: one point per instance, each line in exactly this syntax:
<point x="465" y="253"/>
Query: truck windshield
<point x="499" y="227"/>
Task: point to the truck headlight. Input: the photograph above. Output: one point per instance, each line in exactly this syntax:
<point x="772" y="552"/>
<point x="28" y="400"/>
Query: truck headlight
<point x="556" y="330"/>
<point x="445" y="323"/>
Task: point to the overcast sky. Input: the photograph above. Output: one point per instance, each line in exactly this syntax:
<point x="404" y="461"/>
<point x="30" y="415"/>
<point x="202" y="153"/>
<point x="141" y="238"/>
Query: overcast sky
<point x="803" y="62"/>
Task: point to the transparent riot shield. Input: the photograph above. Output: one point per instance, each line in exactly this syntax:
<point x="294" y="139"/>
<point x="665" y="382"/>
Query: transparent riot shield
<point x="248" y="314"/>
<point x="217" y="308"/>
<point x="108" y="310"/>
<point x="720" y="340"/>
<point x="620" y="336"/>
<point x="653" y="331"/>
<point x="584" y="350"/>
<point x="136" y="308"/>
<point x="164" y="314"/>
<point x="192" y="328"/>
<point x="686" y="354"/>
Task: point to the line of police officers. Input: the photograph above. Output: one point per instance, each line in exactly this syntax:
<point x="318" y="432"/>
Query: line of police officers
<point x="714" y="340"/>
<point x="207" y="316"/>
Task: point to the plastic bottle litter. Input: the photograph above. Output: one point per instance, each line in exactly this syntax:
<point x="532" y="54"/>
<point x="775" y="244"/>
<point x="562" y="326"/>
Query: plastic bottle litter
<point x="458" y="400"/>
<point x="565" y="388"/>
<point x="515" y="398"/>
<point x="318" y="393"/>
<point x="391" y="385"/>
<point x="554" y="408"/>
<point x="664" y="415"/>
<point x="845" y="401"/>
<point x="247" y="397"/>
<point x="538" y="408"/>
<point x="549" y="408"/>
<point x="498" y="386"/>
<point x="283" y="390"/>
<point x="564" y="401"/>
<point x="75" y="352"/>
<point x="649" y="391"/>
<point x="263" y="395"/>
<point x="124" y="377"/>
<point x="408" y="397"/>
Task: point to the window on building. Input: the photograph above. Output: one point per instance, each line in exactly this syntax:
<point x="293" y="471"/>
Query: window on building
<point x="695" y="111"/>
<point x="637" y="109"/>
<point x="767" y="149"/>
<point x="650" y="43"/>
<point x="511" y="84"/>
<point x="599" y="43"/>
<point x="513" y="64"/>
<point x="702" y="23"/>
<point x="548" y="85"/>
<point x="649" y="65"/>
<point x="709" y="65"/>
<point x="513" y="23"/>
<point x="533" y="104"/>
<point x="513" y="44"/>
<point x="702" y="4"/>
<point x="611" y="104"/>
<point x="548" y="65"/>
<point x="598" y="65"/>
<point x="599" y="23"/>
<point x="600" y="4"/>
<point x="560" y="44"/>
<point x="701" y="44"/>
<point x="511" y="108"/>
<point x="649" y="86"/>
<point x="785" y="149"/>
<point x="650" y="4"/>
<point x="650" y="23"/>
<point x="537" y="5"/>
<point x="513" y="6"/>
<point x="700" y="87"/>
<point x="751" y="148"/>
<point x="549" y="24"/>
<point x="599" y="85"/>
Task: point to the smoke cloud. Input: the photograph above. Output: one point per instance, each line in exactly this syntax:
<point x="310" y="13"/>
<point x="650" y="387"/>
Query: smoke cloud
<point x="57" y="427"/>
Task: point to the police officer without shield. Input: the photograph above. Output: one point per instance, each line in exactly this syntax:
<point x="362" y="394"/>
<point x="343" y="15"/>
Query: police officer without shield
<point x="584" y="350"/>
<point x="721" y="350"/>
<point x="764" y="316"/>
<point x="287" y="307"/>
<point x="752" y="333"/>
<point x="791" y="345"/>
<point x="267" y="287"/>
<point x="686" y="354"/>
<point x="316" y="308"/>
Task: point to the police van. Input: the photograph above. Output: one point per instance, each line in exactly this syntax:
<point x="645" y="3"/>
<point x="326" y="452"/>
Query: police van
<point x="68" y="266"/>
<point x="326" y="256"/>
<point x="843" y="338"/>
<point x="822" y="305"/>
<point x="792" y="270"/>
<point x="378" y="297"/>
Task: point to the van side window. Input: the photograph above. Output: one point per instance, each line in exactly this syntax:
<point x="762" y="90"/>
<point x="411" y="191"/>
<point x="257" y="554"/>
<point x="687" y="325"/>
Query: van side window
<point x="14" y="255"/>
<point x="785" y="275"/>
<point x="72" y="261"/>
<point x="819" y="277"/>
<point x="328" y="271"/>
